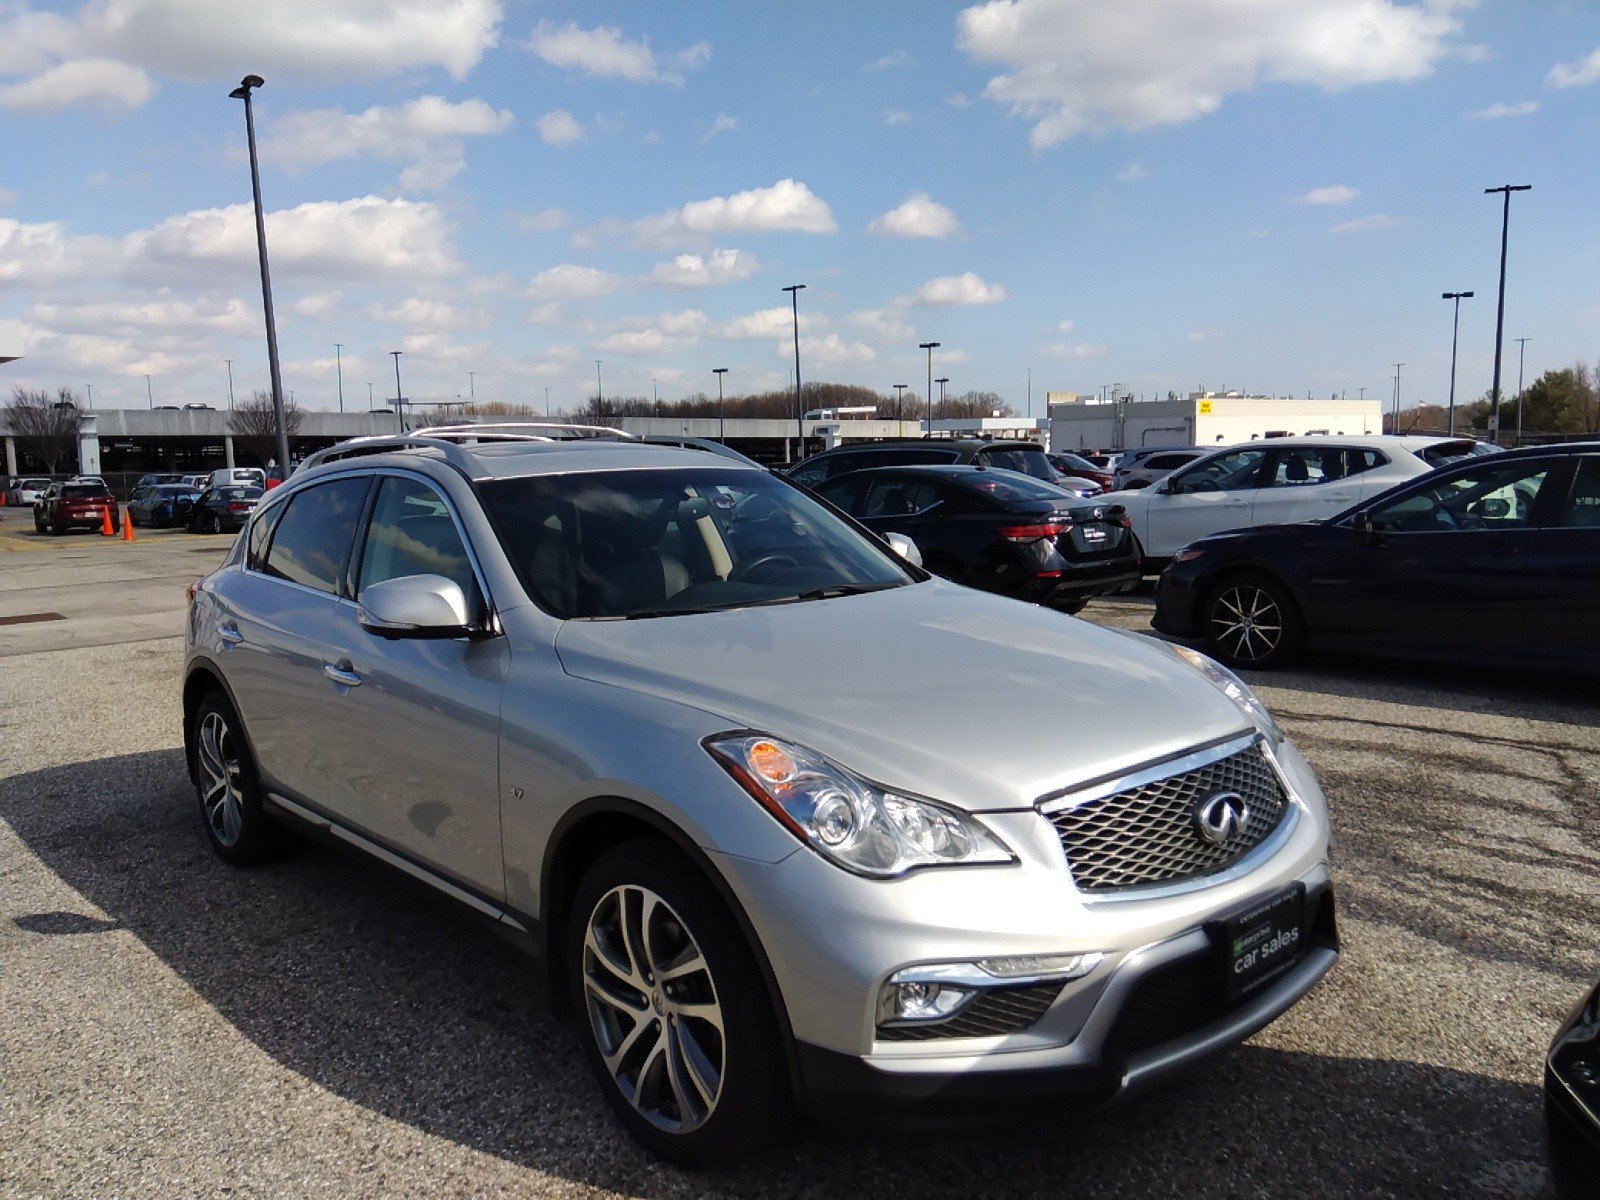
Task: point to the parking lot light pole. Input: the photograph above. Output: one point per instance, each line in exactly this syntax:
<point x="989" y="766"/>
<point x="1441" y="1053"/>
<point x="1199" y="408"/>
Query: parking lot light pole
<point x="338" y="367"/>
<point x="399" y="396"/>
<point x="149" y="395"/>
<point x="1500" y="308"/>
<point x="1396" y="429"/>
<point x="719" y="372"/>
<point x="941" y="381"/>
<point x="900" y="406"/>
<point x="794" y="290"/>
<point x="1455" y="330"/>
<point x="229" y="361"/>
<point x="1522" y="346"/>
<point x="242" y="92"/>
<point x="599" y="388"/>
<point x="929" y="347"/>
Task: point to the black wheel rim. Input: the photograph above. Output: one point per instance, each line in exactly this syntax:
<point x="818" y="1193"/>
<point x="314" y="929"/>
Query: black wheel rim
<point x="1246" y="622"/>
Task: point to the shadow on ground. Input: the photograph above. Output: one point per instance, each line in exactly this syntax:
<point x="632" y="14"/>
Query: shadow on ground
<point x="370" y="987"/>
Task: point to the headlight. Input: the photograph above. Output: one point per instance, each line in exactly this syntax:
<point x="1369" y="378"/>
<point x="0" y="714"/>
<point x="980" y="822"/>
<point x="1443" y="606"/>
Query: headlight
<point x="1187" y="554"/>
<point x="853" y="823"/>
<point x="1231" y="686"/>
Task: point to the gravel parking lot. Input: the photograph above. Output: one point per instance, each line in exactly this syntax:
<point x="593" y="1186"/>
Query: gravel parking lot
<point x="173" y="1027"/>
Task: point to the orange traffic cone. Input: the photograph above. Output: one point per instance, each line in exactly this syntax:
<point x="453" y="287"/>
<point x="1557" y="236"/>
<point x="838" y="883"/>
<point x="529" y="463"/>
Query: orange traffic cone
<point x="105" y="523"/>
<point x="127" y="527"/>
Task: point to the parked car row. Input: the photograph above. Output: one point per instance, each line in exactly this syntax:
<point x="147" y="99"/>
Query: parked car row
<point x="84" y="503"/>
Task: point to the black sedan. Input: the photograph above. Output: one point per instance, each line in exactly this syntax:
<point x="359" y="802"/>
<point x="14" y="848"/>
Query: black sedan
<point x="1491" y="558"/>
<point x="224" y="509"/>
<point x="1572" y="1102"/>
<point x="994" y="529"/>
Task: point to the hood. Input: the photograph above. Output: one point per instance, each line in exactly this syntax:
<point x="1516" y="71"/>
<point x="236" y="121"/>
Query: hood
<point x="973" y="699"/>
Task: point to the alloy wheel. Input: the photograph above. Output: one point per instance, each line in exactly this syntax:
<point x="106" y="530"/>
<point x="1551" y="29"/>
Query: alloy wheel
<point x="220" y="779"/>
<point x="1246" y="622"/>
<point x="654" y="1010"/>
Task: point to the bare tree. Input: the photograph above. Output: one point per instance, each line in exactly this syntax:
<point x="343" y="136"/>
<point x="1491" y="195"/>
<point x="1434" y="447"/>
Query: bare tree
<point x="45" y="428"/>
<point x="255" y="426"/>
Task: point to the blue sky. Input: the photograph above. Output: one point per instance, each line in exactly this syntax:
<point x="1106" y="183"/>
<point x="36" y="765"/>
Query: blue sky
<point x="1263" y="194"/>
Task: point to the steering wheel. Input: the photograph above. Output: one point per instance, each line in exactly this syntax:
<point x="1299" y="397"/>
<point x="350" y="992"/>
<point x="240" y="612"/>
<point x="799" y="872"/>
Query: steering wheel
<point x="750" y="568"/>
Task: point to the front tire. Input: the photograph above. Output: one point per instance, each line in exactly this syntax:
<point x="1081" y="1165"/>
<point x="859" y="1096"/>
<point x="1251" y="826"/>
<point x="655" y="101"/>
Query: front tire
<point x="228" y="787"/>
<point x="676" y="1024"/>
<point x="1252" y="621"/>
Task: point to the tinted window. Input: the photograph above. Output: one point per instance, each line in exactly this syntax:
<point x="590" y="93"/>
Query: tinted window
<point x="810" y="473"/>
<point x="1166" y="462"/>
<point x="412" y="533"/>
<point x="256" y="544"/>
<point x="313" y="535"/>
<point x="1028" y="462"/>
<point x="1230" y="472"/>
<point x="1010" y="486"/>
<point x="843" y="492"/>
<point x="80" y="490"/>
<point x="901" y="496"/>
<point x="1583" y="502"/>
<point x="1501" y="496"/>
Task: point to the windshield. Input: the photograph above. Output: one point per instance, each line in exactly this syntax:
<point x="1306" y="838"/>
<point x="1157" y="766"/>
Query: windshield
<point x="1076" y="462"/>
<point x="665" y="542"/>
<point x="1014" y="486"/>
<point x="1027" y="460"/>
<point x="77" y="490"/>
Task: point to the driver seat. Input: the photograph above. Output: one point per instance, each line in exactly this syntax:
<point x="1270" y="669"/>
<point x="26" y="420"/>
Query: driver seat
<point x="626" y="571"/>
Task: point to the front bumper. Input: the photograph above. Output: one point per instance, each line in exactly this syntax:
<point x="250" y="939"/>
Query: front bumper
<point x="1179" y="590"/>
<point x="833" y="939"/>
<point x="1572" y="1102"/>
<point x="1084" y="583"/>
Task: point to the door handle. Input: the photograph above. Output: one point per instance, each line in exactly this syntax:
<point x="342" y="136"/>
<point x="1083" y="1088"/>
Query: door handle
<point x="229" y="632"/>
<point x="1236" y="503"/>
<point x="341" y="673"/>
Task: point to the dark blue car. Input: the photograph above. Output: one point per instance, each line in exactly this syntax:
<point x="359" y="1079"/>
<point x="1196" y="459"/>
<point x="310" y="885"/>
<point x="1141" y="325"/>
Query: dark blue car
<point x="161" y="504"/>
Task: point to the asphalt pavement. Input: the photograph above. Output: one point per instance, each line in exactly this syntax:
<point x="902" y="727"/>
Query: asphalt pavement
<point x="171" y="1026"/>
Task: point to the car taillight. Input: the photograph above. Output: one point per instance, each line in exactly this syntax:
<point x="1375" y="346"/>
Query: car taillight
<point x="192" y="589"/>
<point x="238" y="506"/>
<point x="1031" y="533"/>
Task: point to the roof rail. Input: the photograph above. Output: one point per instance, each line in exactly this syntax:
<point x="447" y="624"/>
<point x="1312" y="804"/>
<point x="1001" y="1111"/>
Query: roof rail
<point x="354" y="447"/>
<point x="524" y="431"/>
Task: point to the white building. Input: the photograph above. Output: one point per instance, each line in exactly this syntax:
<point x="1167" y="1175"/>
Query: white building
<point x="1203" y="419"/>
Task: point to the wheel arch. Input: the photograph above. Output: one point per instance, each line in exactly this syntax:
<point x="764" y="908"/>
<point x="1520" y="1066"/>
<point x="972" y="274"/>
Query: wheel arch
<point x="203" y="678"/>
<point x="588" y="830"/>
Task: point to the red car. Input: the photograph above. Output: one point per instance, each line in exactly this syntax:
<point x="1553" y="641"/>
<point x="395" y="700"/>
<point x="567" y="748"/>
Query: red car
<point x="66" y="505"/>
<point x="1079" y="467"/>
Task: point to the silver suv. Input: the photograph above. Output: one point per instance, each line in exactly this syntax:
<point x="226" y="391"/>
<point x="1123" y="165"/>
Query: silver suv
<point x="789" y="819"/>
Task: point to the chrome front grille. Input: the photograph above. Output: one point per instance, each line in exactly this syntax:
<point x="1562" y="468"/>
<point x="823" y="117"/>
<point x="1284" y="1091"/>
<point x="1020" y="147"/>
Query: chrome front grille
<point x="1147" y="834"/>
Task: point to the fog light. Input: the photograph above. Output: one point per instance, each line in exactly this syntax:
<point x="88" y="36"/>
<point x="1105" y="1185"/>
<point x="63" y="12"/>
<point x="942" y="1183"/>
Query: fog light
<point x="920" y="1001"/>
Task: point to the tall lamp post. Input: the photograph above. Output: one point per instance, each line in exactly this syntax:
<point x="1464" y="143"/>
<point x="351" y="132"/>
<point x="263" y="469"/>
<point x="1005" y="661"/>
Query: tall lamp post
<point x="1522" y="346"/>
<point x="941" y="381"/>
<point x="547" y="404"/>
<point x="1455" y="330"/>
<point x="599" y="388"/>
<point x="900" y="405"/>
<point x="229" y="361"/>
<point x="1396" y="429"/>
<point x="399" y="396"/>
<point x="472" y="386"/>
<point x="338" y="367"/>
<point x="148" y="393"/>
<point x="794" y="290"/>
<point x="1500" y="308"/>
<point x="242" y="92"/>
<point x="929" y="347"/>
<point x="719" y="372"/>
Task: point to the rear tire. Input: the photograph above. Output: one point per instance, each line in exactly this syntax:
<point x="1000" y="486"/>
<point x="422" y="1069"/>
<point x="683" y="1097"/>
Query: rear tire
<point x="675" y="1022"/>
<point x="1251" y="620"/>
<point x="1072" y="607"/>
<point x="228" y="787"/>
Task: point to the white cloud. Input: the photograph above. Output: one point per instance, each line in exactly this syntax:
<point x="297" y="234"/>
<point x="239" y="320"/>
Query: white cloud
<point x="316" y="304"/>
<point x="1134" y="172"/>
<point x="663" y="334"/>
<point x="426" y="132"/>
<point x="560" y="128"/>
<point x="1333" y="193"/>
<point x="828" y="351"/>
<point x="692" y="270"/>
<point x="295" y="39"/>
<point x="1576" y="74"/>
<point x="80" y="81"/>
<point x="1374" y="223"/>
<point x="788" y="206"/>
<point x="768" y="323"/>
<point x="8" y="197"/>
<point x="1065" y="326"/>
<point x="723" y="124"/>
<point x="418" y="311"/>
<point x="1075" y="351"/>
<point x="1084" y="66"/>
<point x="162" y="312"/>
<point x="569" y="281"/>
<point x="884" y="325"/>
<point x="1196" y="336"/>
<point x="1500" y="110"/>
<point x="604" y="53"/>
<point x="896" y="116"/>
<point x="546" y="220"/>
<point x="895" y="58"/>
<point x="919" y="217"/>
<point x="958" y="100"/>
<point x="952" y="290"/>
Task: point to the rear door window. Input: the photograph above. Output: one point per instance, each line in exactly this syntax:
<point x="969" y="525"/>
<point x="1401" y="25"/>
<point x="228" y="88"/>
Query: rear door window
<point x="312" y="539"/>
<point x="1583" y="502"/>
<point x="900" y="496"/>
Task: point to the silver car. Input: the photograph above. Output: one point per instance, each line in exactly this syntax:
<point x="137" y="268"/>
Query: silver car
<point x="788" y="818"/>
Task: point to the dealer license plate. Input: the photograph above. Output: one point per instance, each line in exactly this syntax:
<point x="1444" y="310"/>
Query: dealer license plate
<point x="1261" y="942"/>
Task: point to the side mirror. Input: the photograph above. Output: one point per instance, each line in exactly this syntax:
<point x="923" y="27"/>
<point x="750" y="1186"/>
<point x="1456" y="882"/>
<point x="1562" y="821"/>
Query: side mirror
<point x="415" y="606"/>
<point x="904" y="547"/>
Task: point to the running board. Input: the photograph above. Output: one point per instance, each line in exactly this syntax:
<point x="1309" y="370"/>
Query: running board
<point x="326" y="825"/>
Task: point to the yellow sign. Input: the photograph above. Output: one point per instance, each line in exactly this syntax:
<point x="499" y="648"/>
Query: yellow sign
<point x="1205" y="408"/>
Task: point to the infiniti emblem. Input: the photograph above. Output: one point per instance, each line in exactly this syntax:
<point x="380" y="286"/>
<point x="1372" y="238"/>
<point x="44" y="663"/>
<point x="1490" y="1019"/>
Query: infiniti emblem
<point x="1221" y="817"/>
